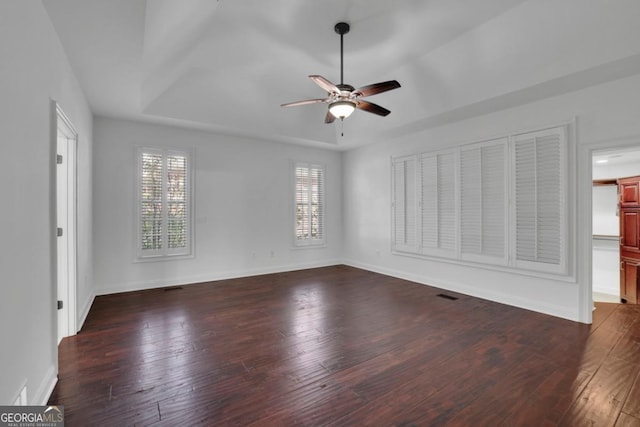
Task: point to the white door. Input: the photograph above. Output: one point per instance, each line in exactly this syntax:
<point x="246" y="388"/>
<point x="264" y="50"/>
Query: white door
<point x="66" y="223"/>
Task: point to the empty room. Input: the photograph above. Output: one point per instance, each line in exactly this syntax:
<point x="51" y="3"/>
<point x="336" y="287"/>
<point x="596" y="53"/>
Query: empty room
<point x="340" y="213"/>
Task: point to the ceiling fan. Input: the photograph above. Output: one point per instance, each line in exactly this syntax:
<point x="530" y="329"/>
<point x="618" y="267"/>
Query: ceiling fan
<point x="343" y="99"/>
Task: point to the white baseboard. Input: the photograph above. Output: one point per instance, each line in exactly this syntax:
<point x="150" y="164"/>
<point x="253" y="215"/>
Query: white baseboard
<point x="44" y="390"/>
<point x="224" y="275"/>
<point x="82" y="316"/>
<point x="515" y="301"/>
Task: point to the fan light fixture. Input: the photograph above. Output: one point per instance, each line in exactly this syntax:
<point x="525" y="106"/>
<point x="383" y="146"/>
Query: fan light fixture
<point x="344" y="98"/>
<point x="342" y="109"/>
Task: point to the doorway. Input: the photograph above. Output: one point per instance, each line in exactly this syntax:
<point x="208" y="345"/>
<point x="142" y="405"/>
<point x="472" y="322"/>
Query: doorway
<point x="66" y="147"/>
<point x="607" y="166"/>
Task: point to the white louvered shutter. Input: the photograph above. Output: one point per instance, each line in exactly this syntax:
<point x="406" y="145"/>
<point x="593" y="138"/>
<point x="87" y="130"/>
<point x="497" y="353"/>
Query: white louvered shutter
<point x="483" y="202"/>
<point x="438" y="203"/>
<point x="540" y="193"/>
<point x="151" y="201"/>
<point x="164" y="217"/>
<point x="177" y="202"/>
<point x="404" y="205"/>
<point x="309" y="204"/>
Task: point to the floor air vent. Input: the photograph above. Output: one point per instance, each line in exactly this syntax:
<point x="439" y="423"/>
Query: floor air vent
<point x="445" y="296"/>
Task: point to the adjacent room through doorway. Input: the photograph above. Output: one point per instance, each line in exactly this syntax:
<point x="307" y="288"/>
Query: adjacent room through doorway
<point x="609" y="166"/>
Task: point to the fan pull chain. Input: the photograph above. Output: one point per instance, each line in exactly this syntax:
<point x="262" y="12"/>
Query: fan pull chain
<point x="342" y="127"/>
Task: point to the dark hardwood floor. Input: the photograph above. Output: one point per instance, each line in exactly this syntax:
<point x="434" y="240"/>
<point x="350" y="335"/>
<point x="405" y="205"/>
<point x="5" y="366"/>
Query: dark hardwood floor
<point x="341" y="346"/>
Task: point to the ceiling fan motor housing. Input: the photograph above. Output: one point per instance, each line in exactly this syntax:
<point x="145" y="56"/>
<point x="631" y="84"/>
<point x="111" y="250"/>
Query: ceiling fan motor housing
<point x="342" y="28"/>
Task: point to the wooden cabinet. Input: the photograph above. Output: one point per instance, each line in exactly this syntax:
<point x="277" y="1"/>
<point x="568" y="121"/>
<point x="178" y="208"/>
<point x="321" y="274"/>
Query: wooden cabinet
<point x="628" y="192"/>
<point x="629" y="280"/>
<point x="629" y="226"/>
<point x="629" y="212"/>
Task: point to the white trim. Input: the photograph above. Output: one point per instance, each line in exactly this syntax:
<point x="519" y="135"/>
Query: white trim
<point x="82" y="316"/>
<point x="109" y="289"/>
<point x="584" y="215"/>
<point x="71" y="233"/>
<point x="44" y="390"/>
<point x="498" y="297"/>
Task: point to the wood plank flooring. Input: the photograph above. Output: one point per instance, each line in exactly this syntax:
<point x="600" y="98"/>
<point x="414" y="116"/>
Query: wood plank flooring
<point x="339" y="346"/>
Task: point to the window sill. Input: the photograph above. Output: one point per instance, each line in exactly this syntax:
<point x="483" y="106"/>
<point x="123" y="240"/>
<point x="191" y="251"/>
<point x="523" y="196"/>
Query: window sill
<point x="162" y="258"/>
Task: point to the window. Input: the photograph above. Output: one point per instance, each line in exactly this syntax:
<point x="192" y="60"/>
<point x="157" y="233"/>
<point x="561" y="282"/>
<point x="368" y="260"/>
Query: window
<point x="438" y="203"/>
<point x="164" y="198"/>
<point x="539" y="195"/>
<point x="500" y="202"/>
<point x="404" y="204"/>
<point x="483" y="201"/>
<point x="309" y="204"/>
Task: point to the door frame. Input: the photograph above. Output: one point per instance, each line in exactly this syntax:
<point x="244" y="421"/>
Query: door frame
<point x="66" y="263"/>
<point x="585" y="216"/>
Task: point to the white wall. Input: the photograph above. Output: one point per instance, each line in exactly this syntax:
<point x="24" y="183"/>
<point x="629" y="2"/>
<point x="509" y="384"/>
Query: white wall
<point x="604" y="114"/>
<point x="606" y="249"/>
<point x="617" y="170"/>
<point x="605" y="207"/>
<point x="243" y="209"/>
<point x="34" y="71"/>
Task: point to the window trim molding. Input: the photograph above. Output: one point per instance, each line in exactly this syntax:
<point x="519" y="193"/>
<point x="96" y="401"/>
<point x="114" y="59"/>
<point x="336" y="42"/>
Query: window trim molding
<point x="138" y="253"/>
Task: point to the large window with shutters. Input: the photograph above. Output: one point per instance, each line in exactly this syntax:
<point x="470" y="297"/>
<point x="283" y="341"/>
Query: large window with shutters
<point x="309" y="185"/>
<point x="163" y="204"/>
<point x="501" y="202"/>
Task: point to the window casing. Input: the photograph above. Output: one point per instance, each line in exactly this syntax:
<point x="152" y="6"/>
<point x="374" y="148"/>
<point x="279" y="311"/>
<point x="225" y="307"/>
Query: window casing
<point x="309" y="197"/>
<point x="501" y="202"/>
<point x="164" y="224"/>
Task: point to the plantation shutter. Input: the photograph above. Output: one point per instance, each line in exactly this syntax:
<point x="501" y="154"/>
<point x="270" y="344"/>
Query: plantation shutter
<point x="539" y="197"/>
<point x="177" y="202"/>
<point x="483" y="201"/>
<point x="151" y="202"/>
<point x="405" y="204"/>
<point x="317" y="203"/>
<point x="309" y="204"/>
<point x="438" y="213"/>
<point x="164" y="227"/>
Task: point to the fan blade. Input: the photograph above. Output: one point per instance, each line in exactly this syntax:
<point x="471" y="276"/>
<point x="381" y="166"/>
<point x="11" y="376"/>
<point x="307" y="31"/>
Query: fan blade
<point x="329" y="118"/>
<point x="372" y="108"/>
<point x="325" y="84"/>
<point x="376" y="88"/>
<point x="305" y="102"/>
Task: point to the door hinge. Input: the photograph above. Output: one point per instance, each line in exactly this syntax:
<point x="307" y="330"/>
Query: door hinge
<point x="60" y="305"/>
<point x="59" y="232"/>
<point x="59" y="159"/>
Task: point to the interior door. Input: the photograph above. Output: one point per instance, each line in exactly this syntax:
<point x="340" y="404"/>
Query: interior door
<point x="66" y="225"/>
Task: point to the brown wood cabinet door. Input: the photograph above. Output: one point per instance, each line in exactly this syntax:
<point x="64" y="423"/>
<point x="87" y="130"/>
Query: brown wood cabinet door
<point x="629" y="230"/>
<point x="629" y="282"/>
<point x="629" y="194"/>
